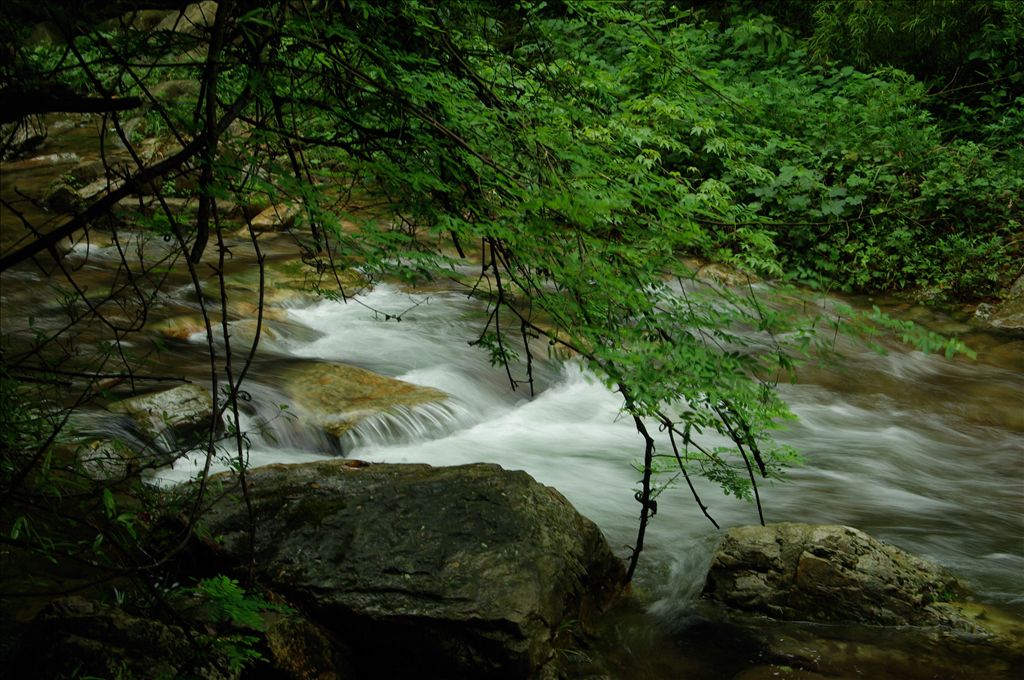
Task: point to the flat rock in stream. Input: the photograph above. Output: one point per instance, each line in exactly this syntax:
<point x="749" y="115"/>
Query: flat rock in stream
<point x="276" y="218"/>
<point x="336" y="397"/>
<point x="457" y="572"/>
<point x="290" y="283"/>
<point x="185" y="411"/>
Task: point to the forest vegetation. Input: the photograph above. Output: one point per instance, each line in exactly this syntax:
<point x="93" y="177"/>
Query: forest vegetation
<point x="583" y="152"/>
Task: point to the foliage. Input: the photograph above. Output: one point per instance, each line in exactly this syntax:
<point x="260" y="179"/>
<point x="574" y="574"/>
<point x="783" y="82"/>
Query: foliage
<point x="228" y="601"/>
<point x="906" y="174"/>
<point x="929" y="38"/>
<point x="578" y="152"/>
<point x="221" y="600"/>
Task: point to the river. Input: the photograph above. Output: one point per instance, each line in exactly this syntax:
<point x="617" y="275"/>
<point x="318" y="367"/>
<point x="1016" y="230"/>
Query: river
<point x="919" y="450"/>
<point x="916" y="449"/>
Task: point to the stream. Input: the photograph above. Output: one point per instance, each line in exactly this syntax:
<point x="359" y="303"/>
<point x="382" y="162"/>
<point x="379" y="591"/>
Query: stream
<point x="918" y="450"/>
<point x="914" y="449"/>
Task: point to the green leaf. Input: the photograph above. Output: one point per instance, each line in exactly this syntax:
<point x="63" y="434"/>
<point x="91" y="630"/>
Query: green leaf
<point x="109" y="504"/>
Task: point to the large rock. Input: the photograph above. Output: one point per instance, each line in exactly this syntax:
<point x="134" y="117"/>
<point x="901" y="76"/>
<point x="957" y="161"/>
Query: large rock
<point x="1009" y="314"/>
<point x="276" y="218"/>
<point x="79" y="638"/>
<point x="185" y="411"/>
<point x="195" y="19"/>
<point x="459" y="572"/>
<point x="336" y="397"/>
<point x="890" y="613"/>
<point x="827" y="573"/>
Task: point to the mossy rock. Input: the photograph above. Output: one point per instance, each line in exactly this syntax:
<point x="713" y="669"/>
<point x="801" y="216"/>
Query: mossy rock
<point x="469" y="571"/>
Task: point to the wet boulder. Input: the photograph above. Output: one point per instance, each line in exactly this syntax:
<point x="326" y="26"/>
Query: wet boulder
<point x="176" y="90"/>
<point x="61" y="196"/>
<point x="809" y="572"/>
<point x="458" y="572"/>
<point x="724" y="275"/>
<point x="1009" y="315"/>
<point x="300" y="649"/>
<point x="106" y="460"/>
<point x="99" y="188"/>
<point x="22" y="137"/>
<point x="142" y="19"/>
<point x="830" y="598"/>
<point x="184" y="411"/>
<point x="169" y="422"/>
<point x="182" y="327"/>
<point x="336" y="397"/>
<point x="88" y="172"/>
<point x="289" y="283"/>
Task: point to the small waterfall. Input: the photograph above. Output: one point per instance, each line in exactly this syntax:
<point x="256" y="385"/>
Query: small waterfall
<point x="406" y="424"/>
<point x="281" y="429"/>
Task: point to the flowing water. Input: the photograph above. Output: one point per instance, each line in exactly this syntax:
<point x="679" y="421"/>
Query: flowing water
<point x="915" y="449"/>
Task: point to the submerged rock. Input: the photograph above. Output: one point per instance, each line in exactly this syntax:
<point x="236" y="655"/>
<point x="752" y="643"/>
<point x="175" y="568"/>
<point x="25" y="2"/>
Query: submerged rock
<point x="457" y="572"/>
